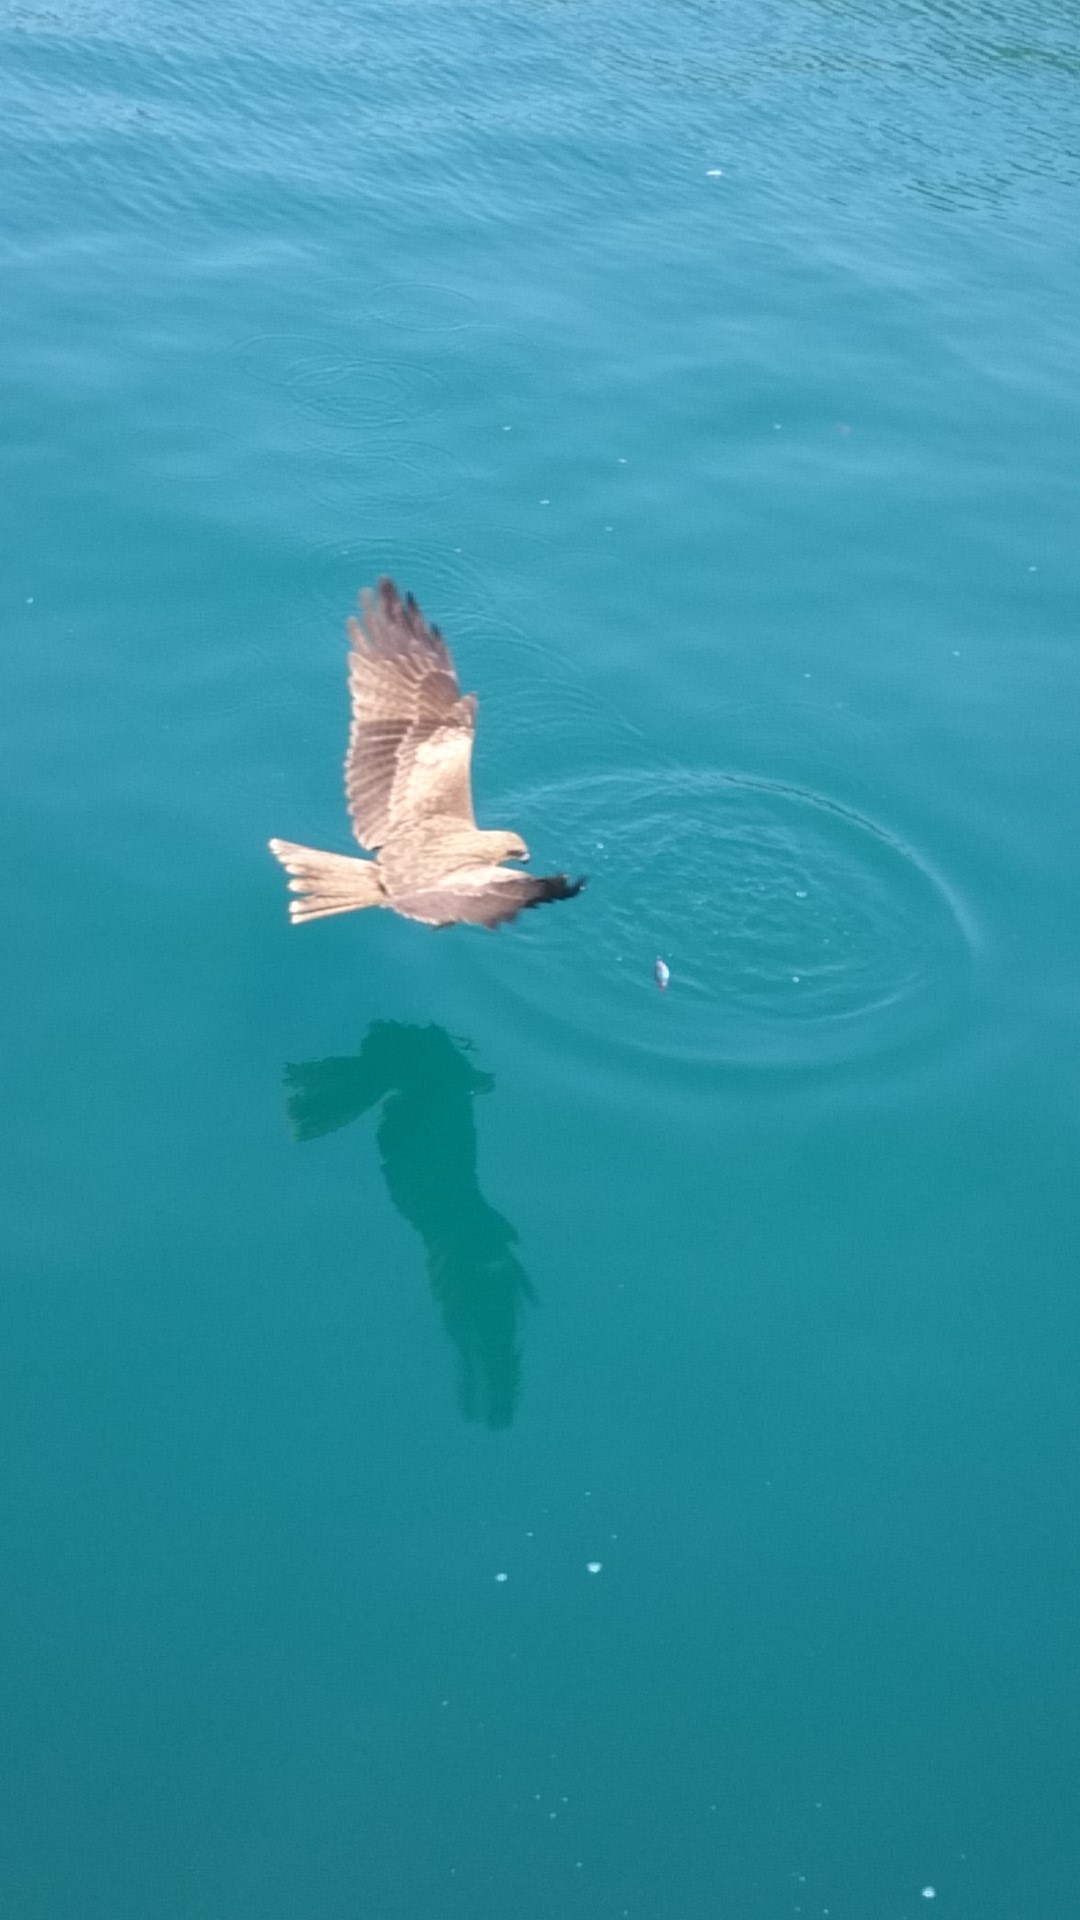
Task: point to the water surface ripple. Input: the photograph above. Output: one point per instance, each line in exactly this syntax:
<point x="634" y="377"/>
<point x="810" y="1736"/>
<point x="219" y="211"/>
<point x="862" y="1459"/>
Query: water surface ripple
<point x="797" y="930"/>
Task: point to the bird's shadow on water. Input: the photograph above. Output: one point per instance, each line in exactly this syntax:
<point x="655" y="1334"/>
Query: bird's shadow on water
<point x="427" y="1139"/>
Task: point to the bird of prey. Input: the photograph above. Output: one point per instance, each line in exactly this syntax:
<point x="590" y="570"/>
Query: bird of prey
<point x="408" y="790"/>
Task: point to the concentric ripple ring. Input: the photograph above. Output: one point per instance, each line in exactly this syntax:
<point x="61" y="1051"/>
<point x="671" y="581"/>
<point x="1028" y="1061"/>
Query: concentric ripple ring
<point x="798" y="931"/>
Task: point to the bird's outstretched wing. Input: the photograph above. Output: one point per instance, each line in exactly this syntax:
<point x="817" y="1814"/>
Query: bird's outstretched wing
<point x="410" y="743"/>
<point x="484" y="895"/>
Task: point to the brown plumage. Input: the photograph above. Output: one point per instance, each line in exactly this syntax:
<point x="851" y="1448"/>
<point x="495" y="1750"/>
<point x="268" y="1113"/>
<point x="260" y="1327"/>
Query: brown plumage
<point x="409" y="793"/>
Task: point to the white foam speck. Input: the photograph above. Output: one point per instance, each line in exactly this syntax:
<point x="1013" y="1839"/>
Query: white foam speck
<point x="594" y="1566"/>
<point x="502" y="1576"/>
<point x="929" y="1893"/>
<point x="714" y="173"/>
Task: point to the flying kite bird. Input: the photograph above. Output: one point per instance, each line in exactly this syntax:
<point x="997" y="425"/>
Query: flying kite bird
<point x="408" y="790"/>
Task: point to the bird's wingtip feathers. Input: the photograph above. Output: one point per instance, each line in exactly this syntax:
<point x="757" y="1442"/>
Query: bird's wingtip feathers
<point x="556" y="886"/>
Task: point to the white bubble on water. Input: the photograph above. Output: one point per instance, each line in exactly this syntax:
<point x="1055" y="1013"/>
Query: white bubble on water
<point x="929" y="1893"/>
<point x="502" y="1576"/>
<point x="594" y="1566"/>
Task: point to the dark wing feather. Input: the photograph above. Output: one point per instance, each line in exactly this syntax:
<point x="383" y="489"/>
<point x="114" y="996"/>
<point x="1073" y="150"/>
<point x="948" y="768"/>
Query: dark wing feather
<point x="410" y="743"/>
<point x="485" y="896"/>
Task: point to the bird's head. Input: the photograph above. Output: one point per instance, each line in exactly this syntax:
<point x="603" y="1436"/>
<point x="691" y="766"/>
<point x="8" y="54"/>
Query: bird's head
<point x="510" y="846"/>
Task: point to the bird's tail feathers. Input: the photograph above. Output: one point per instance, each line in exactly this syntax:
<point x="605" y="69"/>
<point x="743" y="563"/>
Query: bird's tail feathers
<point x="327" y="883"/>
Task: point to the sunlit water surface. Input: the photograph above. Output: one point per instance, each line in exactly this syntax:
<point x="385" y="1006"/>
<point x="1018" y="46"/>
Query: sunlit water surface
<point x="484" y="1437"/>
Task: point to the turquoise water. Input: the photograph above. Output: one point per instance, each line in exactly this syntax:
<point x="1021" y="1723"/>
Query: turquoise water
<point x="709" y="373"/>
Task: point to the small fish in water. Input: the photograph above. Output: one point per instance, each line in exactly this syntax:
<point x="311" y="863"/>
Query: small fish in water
<point x="661" y="974"/>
